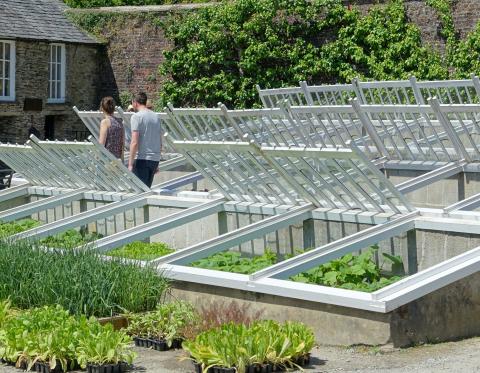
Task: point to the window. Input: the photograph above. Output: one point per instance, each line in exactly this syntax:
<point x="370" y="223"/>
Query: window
<point x="56" y="71"/>
<point x="7" y="70"/>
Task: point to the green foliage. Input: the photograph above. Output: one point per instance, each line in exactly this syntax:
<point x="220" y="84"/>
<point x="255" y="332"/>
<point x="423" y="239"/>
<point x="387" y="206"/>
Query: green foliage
<point x="167" y="322"/>
<point x="102" y="345"/>
<point x="381" y="46"/>
<point x="100" y="3"/>
<point x="237" y="345"/>
<point x="50" y="335"/>
<point x="353" y="272"/>
<point x="230" y="261"/>
<point x="221" y="52"/>
<point x="125" y="99"/>
<point x="466" y="60"/>
<point x="8" y="229"/>
<point x="82" y="282"/>
<point x="141" y="250"/>
<point x="70" y="239"/>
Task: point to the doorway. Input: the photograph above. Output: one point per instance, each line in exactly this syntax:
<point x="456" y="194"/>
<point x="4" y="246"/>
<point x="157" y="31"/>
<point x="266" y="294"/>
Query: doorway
<point x="50" y="127"/>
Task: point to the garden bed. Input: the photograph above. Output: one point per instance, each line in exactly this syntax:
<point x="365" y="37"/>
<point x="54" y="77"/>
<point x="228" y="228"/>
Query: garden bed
<point x="354" y="272"/>
<point x="14" y="227"/>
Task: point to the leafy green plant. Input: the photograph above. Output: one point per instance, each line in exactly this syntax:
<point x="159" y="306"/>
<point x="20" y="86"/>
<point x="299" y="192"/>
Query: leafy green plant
<point x="220" y="53"/>
<point x="141" y="250"/>
<point x="230" y="261"/>
<point x="52" y="336"/>
<point x="82" y="282"/>
<point x="70" y="239"/>
<point x="354" y="272"/>
<point x="10" y="228"/>
<point x="238" y="346"/>
<point x="102" y="345"/>
<point x="167" y="322"/>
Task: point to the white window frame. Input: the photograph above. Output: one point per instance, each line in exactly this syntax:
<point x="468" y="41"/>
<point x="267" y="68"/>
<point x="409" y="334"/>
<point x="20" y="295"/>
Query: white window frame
<point x="58" y="99"/>
<point x="11" y="96"/>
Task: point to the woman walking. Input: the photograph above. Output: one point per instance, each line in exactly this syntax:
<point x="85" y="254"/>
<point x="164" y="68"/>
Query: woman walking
<point x="112" y="132"/>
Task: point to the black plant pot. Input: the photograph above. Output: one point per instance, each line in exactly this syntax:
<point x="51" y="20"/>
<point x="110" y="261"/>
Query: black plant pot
<point x="259" y="368"/>
<point x="157" y="344"/>
<point x="23" y="365"/>
<point x="107" y="368"/>
<point x="303" y="360"/>
<point x="198" y="369"/>
<point x="45" y="368"/>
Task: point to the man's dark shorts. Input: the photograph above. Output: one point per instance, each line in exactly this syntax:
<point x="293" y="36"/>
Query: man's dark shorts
<point x="145" y="170"/>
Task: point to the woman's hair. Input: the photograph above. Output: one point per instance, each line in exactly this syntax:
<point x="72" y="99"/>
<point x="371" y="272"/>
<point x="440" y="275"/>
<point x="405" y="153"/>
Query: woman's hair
<point x="108" y="105"/>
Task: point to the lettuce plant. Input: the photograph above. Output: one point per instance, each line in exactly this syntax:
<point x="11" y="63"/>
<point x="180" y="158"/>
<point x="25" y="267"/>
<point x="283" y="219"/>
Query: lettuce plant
<point x="14" y="227"/>
<point x="70" y="239"/>
<point x="141" y="250"/>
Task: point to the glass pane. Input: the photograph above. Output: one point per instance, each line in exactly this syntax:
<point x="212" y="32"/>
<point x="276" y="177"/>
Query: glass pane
<point x="1" y="70"/>
<point x="59" y="54"/>
<point x="59" y="70"/>
<point x="1" y="88"/>
<point x="59" y="90"/>
<point x="7" y="87"/>
<point x="7" y="69"/>
<point x="7" y="51"/>
<point x="1" y="50"/>
<point x="54" y="54"/>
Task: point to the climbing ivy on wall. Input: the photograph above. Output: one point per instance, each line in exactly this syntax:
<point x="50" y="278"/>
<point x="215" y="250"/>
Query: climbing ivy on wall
<point x="220" y="53"/>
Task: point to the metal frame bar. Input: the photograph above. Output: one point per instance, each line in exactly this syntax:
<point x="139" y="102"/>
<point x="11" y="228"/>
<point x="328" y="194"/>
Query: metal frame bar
<point x="431" y="177"/>
<point x="336" y="249"/>
<point x="41" y="205"/>
<point x="238" y="236"/>
<point x="84" y="217"/>
<point x="159" y="225"/>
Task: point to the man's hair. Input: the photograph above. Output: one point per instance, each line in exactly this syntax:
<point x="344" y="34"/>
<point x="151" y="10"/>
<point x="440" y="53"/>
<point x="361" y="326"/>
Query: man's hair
<point x="141" y="98"/>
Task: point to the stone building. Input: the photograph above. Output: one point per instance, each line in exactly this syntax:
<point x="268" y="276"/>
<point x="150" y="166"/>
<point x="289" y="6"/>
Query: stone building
<point x="47" y="65"/>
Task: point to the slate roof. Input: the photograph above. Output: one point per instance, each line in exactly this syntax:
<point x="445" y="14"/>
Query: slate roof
<point x="39" y="20"/>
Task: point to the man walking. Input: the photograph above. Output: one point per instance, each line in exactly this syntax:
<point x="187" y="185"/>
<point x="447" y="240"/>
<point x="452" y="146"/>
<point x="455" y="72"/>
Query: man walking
<point x="146" y="143"/>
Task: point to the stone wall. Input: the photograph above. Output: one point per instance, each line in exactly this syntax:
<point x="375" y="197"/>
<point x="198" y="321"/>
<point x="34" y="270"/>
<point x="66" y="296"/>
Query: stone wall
<point x="135" y="44"/>
<point x="84" y="85"/>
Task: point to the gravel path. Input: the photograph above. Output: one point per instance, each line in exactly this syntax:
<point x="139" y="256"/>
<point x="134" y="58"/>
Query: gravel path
<point x="461" y="356"/>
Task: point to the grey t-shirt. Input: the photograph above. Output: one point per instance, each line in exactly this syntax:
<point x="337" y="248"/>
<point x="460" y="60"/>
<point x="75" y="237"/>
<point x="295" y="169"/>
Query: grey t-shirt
<point x="147" y="123"/>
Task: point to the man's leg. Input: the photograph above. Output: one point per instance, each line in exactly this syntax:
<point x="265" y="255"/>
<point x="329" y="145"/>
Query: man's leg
<point x="152" y="167"/>
<point x="141" y="170"/>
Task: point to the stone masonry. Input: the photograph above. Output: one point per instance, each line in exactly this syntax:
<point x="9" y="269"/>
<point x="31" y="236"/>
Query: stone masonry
<point x="82" y="89"/>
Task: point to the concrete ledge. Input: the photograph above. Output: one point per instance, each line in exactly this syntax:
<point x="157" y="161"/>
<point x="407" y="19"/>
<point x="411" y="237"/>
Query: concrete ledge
<point x="449" y="313"/>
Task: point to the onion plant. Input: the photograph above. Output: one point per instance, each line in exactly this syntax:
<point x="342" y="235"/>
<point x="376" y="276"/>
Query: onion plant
<point x="80" y="281"/>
